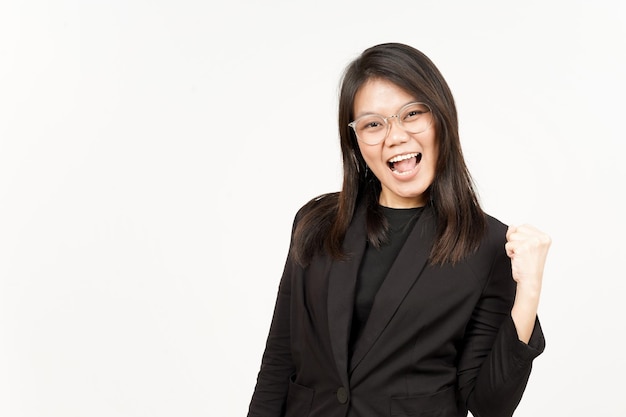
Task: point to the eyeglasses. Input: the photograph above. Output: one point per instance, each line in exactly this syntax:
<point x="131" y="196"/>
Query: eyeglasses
<point x="372" y="129"/>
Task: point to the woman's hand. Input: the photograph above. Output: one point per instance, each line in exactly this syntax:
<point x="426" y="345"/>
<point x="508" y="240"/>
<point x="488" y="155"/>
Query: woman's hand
<point x="528" y="249"/>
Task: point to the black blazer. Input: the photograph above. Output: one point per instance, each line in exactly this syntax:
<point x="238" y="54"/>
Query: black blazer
<point x="439" y="339"/>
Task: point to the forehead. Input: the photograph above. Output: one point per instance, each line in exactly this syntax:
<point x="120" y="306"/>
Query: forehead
<point x="378" y="95"/>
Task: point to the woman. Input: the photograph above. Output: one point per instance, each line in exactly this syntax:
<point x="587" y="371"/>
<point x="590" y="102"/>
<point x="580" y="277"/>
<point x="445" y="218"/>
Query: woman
<point x="400" y="297"/>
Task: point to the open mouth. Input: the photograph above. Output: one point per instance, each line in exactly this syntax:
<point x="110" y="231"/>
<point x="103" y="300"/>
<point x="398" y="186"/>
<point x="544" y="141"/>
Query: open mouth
<point x="403" y="164"/>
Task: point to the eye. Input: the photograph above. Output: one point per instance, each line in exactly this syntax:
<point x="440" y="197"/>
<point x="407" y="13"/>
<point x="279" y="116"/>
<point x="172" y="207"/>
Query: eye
<point x="370" y="124"/>
<point x="414" y="112"/>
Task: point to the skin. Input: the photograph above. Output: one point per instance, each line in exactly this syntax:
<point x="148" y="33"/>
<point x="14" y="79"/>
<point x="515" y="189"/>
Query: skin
<point x="526" y="246"/>
<point x="398" y="191"/>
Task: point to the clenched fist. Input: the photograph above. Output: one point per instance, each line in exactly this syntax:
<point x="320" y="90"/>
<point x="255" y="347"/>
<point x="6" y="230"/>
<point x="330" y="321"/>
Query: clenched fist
<point x="528" y="248"/>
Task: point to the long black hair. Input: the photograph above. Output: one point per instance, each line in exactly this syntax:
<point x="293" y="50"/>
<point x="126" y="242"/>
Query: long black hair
<point x="460" y="220"/>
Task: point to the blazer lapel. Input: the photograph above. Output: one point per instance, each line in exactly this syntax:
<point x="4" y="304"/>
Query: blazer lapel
<point x="404" y="272"/>
<point x="341" y="284"/>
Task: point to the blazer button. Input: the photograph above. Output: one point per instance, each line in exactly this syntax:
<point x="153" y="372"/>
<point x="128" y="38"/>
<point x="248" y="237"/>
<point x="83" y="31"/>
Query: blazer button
<point x="342" y="395"/>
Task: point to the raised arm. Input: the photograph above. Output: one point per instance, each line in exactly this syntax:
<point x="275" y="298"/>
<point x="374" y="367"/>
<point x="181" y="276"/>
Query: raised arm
<point x="528" y="248"/>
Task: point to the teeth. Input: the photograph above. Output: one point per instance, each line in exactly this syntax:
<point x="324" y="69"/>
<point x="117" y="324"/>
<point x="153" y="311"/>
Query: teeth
<point x="403" y="173"/>
<point x="403" y="157"/>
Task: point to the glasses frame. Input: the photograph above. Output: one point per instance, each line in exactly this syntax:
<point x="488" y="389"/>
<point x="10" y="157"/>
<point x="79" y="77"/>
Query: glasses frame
<point x="388" y="124"/>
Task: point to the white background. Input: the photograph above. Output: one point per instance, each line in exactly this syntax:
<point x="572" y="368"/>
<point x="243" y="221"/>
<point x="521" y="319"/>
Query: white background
<point x="153" y="154"/>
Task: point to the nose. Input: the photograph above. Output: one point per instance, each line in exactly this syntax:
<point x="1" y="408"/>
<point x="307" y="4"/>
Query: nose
<point x="395" y="132"/>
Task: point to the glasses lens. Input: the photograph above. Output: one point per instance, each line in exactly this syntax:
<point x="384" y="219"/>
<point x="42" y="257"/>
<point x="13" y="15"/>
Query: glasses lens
<point x="415" y="117"/>
<point x="371" y="129"/>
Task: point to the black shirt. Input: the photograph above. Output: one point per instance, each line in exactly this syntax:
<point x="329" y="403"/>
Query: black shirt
<point x="377" y="262"/>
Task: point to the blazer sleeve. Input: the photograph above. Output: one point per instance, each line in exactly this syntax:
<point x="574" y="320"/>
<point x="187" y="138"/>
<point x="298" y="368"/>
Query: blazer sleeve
<point x="270" y="393"/>
<point x="495" y="365"/>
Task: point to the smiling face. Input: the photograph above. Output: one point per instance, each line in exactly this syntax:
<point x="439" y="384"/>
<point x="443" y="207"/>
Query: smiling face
<point x="404" y="163"/>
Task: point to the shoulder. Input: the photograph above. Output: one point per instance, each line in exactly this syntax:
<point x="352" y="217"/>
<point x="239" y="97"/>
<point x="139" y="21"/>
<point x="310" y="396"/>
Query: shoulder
<point x="494" y="263"/>
<point x="494" y="239"/>
<point x="311" y="226"/>
<point x="495" y="230"/>
<point x="322" y="204"/>
<point x="491" y="250"/>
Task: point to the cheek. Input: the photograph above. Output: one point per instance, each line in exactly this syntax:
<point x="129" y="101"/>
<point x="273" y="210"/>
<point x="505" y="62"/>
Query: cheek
<point x="369" y="154"/>
<point x="434" y="152"/>
<point x="435" y="156"/>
